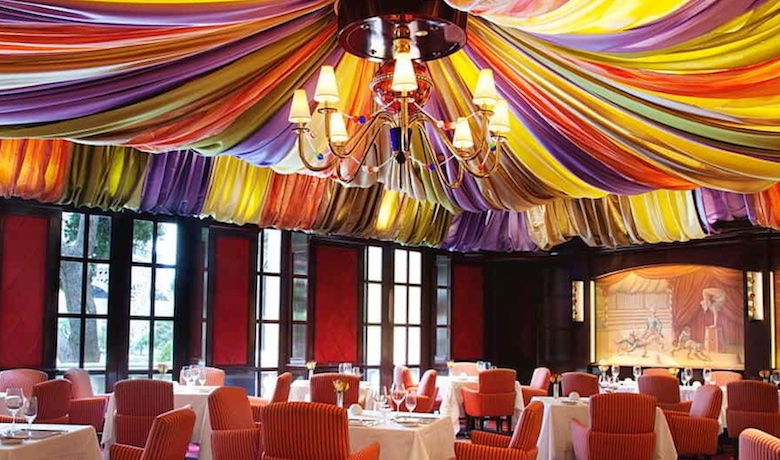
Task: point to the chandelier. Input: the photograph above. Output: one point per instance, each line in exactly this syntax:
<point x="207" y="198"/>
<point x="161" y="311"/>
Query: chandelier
<point x="402" y="35"/>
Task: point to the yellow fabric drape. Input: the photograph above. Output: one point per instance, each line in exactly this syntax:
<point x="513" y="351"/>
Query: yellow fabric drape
<point x="236" y="191"/>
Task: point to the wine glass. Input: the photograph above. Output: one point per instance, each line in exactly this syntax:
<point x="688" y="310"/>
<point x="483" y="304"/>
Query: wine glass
<point x="637" y="372"/>
<point x="706" y="374"/>
<point x="615" y="372"/>
<point x="411" y="401"/>
<point x="30" y="411"/>
<point x="14" y="399"/>
<point x="193" y="375"/>
<point x="397" y="393"/>
<point x="202" y="376"/>
<point x="687" y="375"/>
<point x="775" y="377"/>
<point x="185" y="374"/>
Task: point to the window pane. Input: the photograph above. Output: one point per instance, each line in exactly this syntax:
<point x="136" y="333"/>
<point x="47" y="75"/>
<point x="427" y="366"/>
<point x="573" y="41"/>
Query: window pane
<point x="165" y="377"/>
<point x="69" y="298"/>
<point x="272" y="251"/>
<point x="299" y="341"/>
<point x="400" y="266"/>
<point x="442" y="344"/>
<point x="374" y="256"/>
<point x="415" y="344"/>
<point x="272" y="296"/>
<point x="167" y="240"/>
<point x="269" y="345"/>
<point x="163" y="343"/>
<point x="442" y="270"/>
<point x="415" y="267"/>
<point x="142" y="240"/>
<point x="138" y="355"/>
<point x="267" y="384"/>
<point x="299" y="299"/>
<point x="95" y="343"/>
<point x="399" y="300"/>
<point x="300" y="250"/>
<point x="399" y="345"/>
<point x="164" y="292"/>
<point x="373" y="376"/>
<point x="442" y="307"/>
<point x="374" y="303"/>
<point x="98" y="383"/>
<point x="415" y="296"/>
<point x="68" y="342"/>
<point x="140" y="290"/>
<point x="373" y="345"/>
<point x="97" y="297"/>
<point x="100" y="232"/>
<point x="73" y="231"/>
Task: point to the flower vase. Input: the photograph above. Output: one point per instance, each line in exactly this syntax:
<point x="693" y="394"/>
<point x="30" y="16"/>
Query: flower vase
<point x="556" y="390"/>
<point x="311" y="372"/>
<point x="340" y="399"/>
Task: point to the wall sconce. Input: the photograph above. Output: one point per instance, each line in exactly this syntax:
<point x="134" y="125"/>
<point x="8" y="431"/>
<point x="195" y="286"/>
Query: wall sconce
<point x="754" y="290"/>
<point x="578" y="301"/>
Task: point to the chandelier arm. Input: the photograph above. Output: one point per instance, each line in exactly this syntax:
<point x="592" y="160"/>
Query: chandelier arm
<point x="494" y="168"/>
<point x="458" y="153"/>
<point x="349" y="180"/>
<point x="301" y="154"/>
<point x="419" y="121"/>
<point x="357" y="138"/>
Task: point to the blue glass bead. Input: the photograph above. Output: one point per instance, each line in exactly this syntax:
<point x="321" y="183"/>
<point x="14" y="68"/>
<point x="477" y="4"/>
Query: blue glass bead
<point x="362" y="119"/>
<point x="320" y="156"/>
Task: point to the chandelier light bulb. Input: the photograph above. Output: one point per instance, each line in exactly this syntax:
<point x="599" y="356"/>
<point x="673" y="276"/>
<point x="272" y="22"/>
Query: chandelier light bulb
<point x="499" y="122"/>
<point x="299" y="110"/>
<point x="327" y="91"/>
<point x="338" y="129"/>
<point x="485" y="93"/>
<point x="462" y="139"/>
<point x="404" y="78"/>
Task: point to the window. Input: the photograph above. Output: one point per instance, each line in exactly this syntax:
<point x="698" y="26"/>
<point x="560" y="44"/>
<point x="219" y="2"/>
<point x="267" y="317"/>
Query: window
<point x="372" y="315"/>
<point x="300" y="296"/>
<point x="82" y="301"/>
<point x="407" y="309"/>
<point x="443" y="296"/>
<point x="268" y="310"/>
<point x="152" y="298"/>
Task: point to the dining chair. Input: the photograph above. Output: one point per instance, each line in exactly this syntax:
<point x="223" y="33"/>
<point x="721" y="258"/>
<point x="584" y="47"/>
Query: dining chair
<point x="695" y="433"/>
<point x="169" y="438"/>
<point x="464" y="368"/>
<point x="666" y="390"/>
<point x="21" y="378"/>
<point x="281" y="394"/>
<point x="752" y="404"/>
<point x="583" y="383"/>
<point x="539" y="386"/>
<point x="138" y="403"/>
<point x="215" y="377"/>
<point x="619" y="423"/>
<point x="402" y="374"/>
<point x="657" y="371"/>
<point x="85" y="407"/>
<point x="520" y="446"/>
<point x="235" y="435"/>
<point x="321" y="388"/>
<point x="723" y="378"/>
<point x="495" y="398"/>
<point x="426" y="393"/>
<point x="310" y="431"/>
<point x="756" y="445"/>
<point x="53" y="402"/>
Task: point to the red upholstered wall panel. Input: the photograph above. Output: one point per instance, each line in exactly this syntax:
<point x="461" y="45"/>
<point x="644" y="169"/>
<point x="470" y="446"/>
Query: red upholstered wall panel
<point x="468" y="341"/>
<point x="336" y="304"/>
<point x="23" y="290"/>
<point x="230" y="300"/>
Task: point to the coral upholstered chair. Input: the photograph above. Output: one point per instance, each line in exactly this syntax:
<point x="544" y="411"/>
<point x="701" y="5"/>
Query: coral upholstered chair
<point x="757" y="445"/>
<point x="310" y="431"/>
<point x="620" y="423"/>
<point x="21" y="378"/>
<point x="696" y="433"/>
<point x="85" y="407"/>
<point x="723" y="378"/>
<point x="656" y="371"/>
<point x="521" y="446"/>
<point x="540" y="382"/>
<point x="138" y="403"/>
<point x="402" y="374"/>
<point x="281" y="394"/>
<point x="464" y="368"/>
<point x="752" y="404"/>
<point x="169" y="438"/>
<point x="321" y="388"/>
<point x="235" y="435"/>
<point x="53" y="402"/>
<point x="666" y="390"/>
<point x="426" y="393"/>
<point x="494" y="398"/>
<point x="583" y="383"/>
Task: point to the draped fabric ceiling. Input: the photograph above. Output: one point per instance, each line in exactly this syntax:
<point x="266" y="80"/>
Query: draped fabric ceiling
<point x="637" y="121"/>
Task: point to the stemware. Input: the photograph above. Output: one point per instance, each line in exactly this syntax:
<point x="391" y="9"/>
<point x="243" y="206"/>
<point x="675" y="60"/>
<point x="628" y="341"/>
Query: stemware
<point x="186" y="371"/>
<point x="637" y="372"/>
<point x="615" y="373"/>
<point x="687" y="376"/>
<point x="30" y="411"/>
<point x="411" y="401"/>
<point x="14" y="399"/>
<point x="775" y="377"/>
<point x="706" y="374"/>
<point x="193" y="375"/>
<point x="202" y="376"/>
<point x="398" y="393"/>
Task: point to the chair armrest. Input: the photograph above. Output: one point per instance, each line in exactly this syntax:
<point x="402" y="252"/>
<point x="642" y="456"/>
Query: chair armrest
<point x="370" y="452"/>
<point x="579" y="438"/>
<point x="466" y="451"/>
<point x="124" y="452"/>
<point x="88" y="411"/>
<point x="258" y="406"/>
<point x="529" y="393"/>
<point x="483" y="438"/>
<point x="230" y="441"/>
<point x="424" y="404"/>
<point x="694" y="435"/>
<point x="471" y="400"/>
<point x="684" y="406"/>
<point x="675" y="413"/>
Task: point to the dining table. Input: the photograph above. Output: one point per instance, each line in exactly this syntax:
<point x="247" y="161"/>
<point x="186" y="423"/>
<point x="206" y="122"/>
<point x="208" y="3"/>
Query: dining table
<point x="299" y="391"/>
<point x="452" y="398"/>
<point x="403" y="436"/>
<point x="52" y="442"/>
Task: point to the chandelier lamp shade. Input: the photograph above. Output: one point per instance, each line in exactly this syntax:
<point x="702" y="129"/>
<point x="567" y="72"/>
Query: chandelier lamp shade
<point x="402" y="36"/>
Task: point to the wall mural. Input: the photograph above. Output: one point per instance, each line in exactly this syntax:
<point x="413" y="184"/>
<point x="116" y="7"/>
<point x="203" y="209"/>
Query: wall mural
<point x="671" y="316"/>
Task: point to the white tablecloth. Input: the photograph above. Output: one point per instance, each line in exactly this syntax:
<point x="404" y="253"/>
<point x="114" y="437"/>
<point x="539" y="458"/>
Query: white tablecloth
<point x="433" y="441"/>
<point x="78" y="443"/>
<point x="299" y="391"/>
<point x="452" y="398"/>
<point x="555" y="438"/>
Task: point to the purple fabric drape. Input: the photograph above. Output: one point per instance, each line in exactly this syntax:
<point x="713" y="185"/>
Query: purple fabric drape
<point x="176" y="183"/>
<point x="489" y="231"/>
<point x="720" y="206"/>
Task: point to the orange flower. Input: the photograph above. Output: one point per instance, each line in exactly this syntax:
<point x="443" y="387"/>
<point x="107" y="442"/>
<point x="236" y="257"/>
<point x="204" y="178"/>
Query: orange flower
<point x="555" y="378"/>
<point x="340" y="386"/>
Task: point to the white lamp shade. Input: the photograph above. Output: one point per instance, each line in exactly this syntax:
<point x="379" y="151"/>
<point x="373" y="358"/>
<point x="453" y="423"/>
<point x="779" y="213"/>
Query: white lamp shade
<point x="299" y="110"/>
<point x="462" y="139"/>
<point x="403" y="74"/>
<point x="485" y="93"/>
<point x="499" y="122"/>
<point x="338" y="129"/>
<point x="327" y="91"/>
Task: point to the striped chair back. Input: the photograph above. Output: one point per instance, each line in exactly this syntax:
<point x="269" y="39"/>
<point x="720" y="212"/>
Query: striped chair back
<point x="757" y="445"/>
<point x="497" y="381"/>
<point x="169" y="435"/>
<point x="620" y="423"/>
<point x="321" y="388"/>
<point x="305" y="431"/>
<point x="583" y="383"/>
<point x="665" y="388"/>
<point x="656" y="371"/>
<point x="752" y="404"/>
<point x="427" y="385"/>
<point x="707" y="402"/>
<point x="229" y="409"/>
<point x="53" y="401"/>
<point x="81" y="384"/>
<point x="723" y="378"/>
<point x="21" y="378"/>
<point x="540" y="380"/>
<point x="528" y="428"/>
<point x="282" y="388"/>
<point x="138" y="403"/>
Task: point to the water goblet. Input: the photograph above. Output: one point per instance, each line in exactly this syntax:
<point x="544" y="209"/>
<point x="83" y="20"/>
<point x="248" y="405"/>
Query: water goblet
<point x="202" y="374"/>
<point x="637" y="372"/>
<point x="707" y="376"/>
<point x="775" y="378"/>
<point x="185" y="374"/>
<point x="411" y="401"/>
<point x="30" y="411"/>
<point x="687" y="376"/>
<point x="615" y="373"/>
<point x="14" y="399"/>
<point x="398" y="393"/>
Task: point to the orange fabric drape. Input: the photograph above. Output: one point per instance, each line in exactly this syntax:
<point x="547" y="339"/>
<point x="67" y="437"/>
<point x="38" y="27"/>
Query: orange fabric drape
<point x="34" y="168"/>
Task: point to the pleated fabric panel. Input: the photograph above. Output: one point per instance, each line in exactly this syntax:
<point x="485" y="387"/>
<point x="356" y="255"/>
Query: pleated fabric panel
<point x="305" y="431"/>
<point x="757" y="445"/>
<point x="752" y="404"/>
<point x="138" y="403"/>
<point x="322" y="391"/>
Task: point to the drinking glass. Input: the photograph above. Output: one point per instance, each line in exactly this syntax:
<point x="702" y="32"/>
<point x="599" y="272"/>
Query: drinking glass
<point x="707" y="375"/>
<point x="398" y="393"/>
<point x="14" y="399"/>
<point x="185" y="374"/>
<point x="202" y="375"/>
<point x="687" y="375"/>
<point x="356" y="371"/>
<point x="480" y="366"/>
<point x="193" y="375"/>
<point x="615" y="372"/>
<point x="30" y="411"/>
<point x="411" y="401"/>
<point x="637" y="372"/>
<point x="775" y="377"/>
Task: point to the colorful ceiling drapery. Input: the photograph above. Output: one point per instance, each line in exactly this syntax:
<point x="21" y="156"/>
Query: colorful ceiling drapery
<point x="632" y="122"/>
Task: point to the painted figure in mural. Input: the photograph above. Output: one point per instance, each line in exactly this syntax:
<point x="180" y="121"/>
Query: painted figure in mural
<point x="685" y="342"/>
<point x="634" y="342"/>
<point x="654" y="328"/>
<point x="713" y="300"/>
